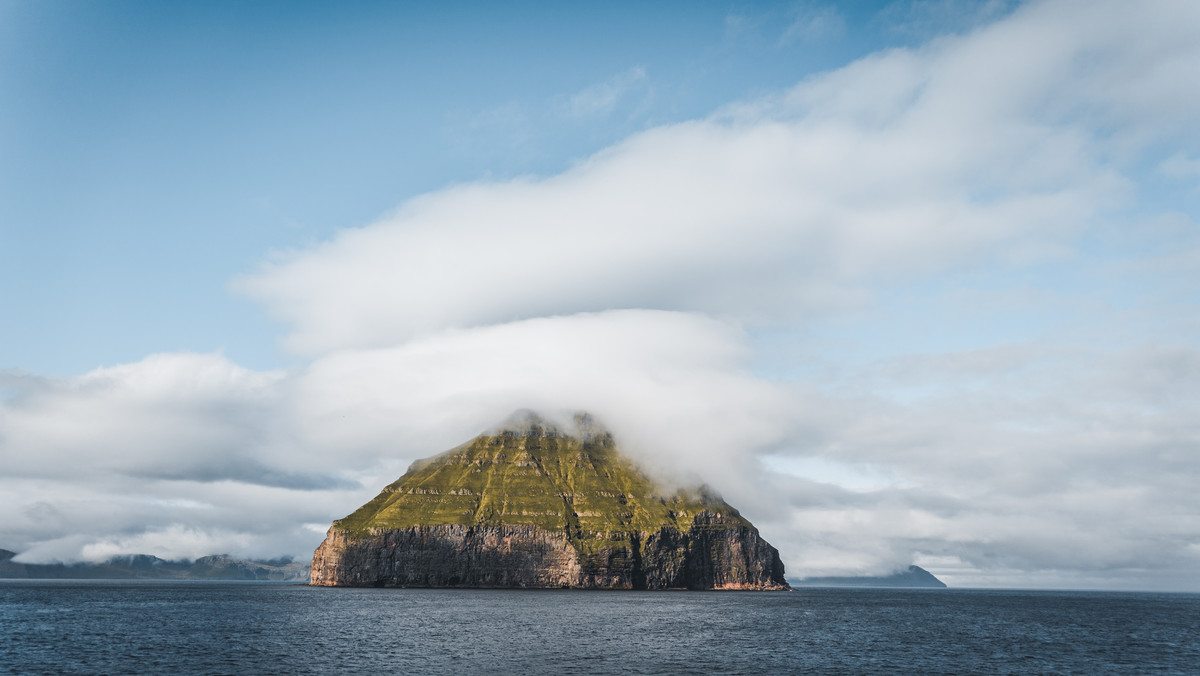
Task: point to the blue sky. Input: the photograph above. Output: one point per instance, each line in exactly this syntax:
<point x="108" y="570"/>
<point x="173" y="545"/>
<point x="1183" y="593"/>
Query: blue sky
<point x="152" y="151"/>
<point x="910" y="282"/>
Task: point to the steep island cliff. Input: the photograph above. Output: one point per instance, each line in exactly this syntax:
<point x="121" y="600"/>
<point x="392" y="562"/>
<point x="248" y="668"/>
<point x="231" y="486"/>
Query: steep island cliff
<point x="532" y="506"/>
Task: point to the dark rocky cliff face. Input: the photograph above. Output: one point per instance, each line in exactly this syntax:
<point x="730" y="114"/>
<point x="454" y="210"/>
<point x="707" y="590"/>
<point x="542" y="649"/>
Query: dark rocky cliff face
<point x="453" y="555"/>
<point x="532" y="507"/>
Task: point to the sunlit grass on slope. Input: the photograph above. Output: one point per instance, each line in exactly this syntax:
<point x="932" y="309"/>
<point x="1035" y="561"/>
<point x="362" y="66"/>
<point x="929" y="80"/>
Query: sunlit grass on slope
<point x="533" y="474"/>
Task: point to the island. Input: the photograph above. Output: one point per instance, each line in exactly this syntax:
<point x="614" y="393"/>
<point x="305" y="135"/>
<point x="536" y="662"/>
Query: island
<point x="914" y="577"/>
<point x="530" y="505"/>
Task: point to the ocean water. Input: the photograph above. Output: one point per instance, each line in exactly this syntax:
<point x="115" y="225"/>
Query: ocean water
<point x="96" y="627"/>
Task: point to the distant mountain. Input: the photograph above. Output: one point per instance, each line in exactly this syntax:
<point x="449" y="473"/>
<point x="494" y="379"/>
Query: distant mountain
<point x="143" y="566"/>
<point x="915" y="576"/>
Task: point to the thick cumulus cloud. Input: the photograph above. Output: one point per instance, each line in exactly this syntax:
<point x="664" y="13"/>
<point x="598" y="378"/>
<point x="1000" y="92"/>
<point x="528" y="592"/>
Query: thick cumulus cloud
<point x="168" y="415"/>
<point x="1023" y="466"/>
<point x="182" y="444"/>
<point x="643" y="284"/>
<point x="1001" y="143"/>
<point x="198" y="449"/>
<point x="668" y="382"/>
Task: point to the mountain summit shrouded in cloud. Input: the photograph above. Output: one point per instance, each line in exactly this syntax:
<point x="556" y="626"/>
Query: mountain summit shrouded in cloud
<point x="935" y="305"/>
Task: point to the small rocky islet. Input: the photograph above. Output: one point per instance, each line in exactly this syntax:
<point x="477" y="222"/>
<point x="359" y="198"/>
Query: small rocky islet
<point x="531" y="505"/>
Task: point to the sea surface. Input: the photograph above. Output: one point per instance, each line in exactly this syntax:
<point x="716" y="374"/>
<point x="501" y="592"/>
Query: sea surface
<point x="159" y="627"/>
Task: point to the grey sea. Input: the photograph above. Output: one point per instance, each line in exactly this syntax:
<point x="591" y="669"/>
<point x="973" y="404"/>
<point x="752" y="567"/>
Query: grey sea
<point x="159" y="627"/>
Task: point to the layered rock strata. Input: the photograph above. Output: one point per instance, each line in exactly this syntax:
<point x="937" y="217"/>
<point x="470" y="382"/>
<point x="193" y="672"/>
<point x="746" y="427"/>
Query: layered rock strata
<point x="530" y="506"/>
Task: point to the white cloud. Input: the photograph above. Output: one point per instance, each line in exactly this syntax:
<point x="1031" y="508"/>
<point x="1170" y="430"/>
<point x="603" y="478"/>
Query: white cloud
<point x="996" y="144"/>
<point x="168" y="414"/>
<point x="136" y="450"/>
<point x="671" y="385"/>
<point x="1069" y="460"/>
<point x="170" y="543"/>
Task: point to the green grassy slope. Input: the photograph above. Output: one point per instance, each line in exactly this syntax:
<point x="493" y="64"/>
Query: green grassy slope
<point x="536" y="475"/>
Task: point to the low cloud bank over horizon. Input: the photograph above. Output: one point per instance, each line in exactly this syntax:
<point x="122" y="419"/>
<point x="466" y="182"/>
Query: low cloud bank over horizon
<point x="914" y="310"/>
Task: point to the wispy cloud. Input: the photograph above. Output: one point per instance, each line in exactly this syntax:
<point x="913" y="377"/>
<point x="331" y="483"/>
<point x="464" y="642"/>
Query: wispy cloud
<point x="811" y="23"/>
<point x="923" y="19"/>
<point x="602" y="98"/>
<point x="1180" y="166"/>
<point x="900" y="165"/>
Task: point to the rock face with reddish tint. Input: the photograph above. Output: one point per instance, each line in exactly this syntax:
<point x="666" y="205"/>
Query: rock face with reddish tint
<point x="533" y="506"/>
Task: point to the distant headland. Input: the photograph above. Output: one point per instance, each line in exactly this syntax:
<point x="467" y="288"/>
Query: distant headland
<point x="146" y="567"/>
<point x="913" y="577"/>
